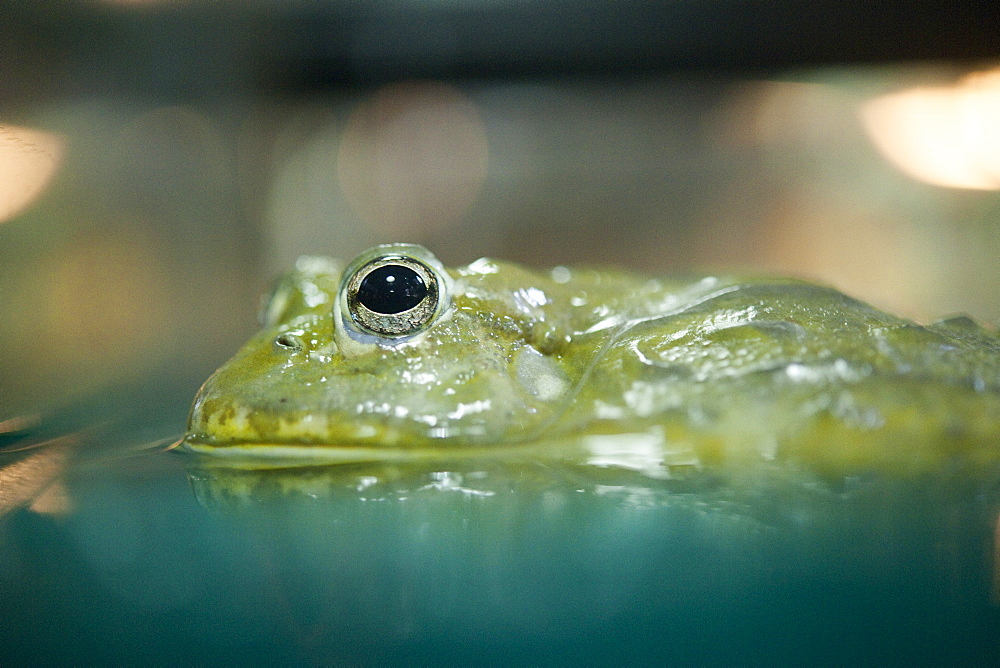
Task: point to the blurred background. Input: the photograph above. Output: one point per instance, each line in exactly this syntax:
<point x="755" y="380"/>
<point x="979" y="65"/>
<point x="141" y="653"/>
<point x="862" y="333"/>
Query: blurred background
<point x="161" y="162"/>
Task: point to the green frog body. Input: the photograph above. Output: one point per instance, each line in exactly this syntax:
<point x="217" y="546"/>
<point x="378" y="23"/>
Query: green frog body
<point x="397" y="357"/>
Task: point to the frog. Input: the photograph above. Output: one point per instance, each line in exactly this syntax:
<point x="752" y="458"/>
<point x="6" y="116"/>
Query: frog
<point x="394" y="357"/>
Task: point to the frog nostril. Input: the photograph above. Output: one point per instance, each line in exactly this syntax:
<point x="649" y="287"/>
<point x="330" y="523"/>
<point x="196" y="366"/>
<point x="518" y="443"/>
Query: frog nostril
<point x="288" y="341"/>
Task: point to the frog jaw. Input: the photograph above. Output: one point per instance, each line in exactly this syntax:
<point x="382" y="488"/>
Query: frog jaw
<point x="267" y="400"/>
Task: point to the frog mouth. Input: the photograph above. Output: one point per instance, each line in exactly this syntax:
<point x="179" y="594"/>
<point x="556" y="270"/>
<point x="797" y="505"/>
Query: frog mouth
<point x="280" y="455"/>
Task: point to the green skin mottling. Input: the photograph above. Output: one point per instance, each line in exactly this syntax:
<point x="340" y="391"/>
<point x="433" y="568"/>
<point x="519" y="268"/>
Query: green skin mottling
<point x="609" y="368"/>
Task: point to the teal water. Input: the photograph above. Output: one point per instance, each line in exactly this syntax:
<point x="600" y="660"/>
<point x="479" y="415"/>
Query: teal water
<point x="154" y="558"/>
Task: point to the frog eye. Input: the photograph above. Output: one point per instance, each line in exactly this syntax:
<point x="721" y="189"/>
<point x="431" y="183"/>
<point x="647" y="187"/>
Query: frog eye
<point x="394" y="294"/>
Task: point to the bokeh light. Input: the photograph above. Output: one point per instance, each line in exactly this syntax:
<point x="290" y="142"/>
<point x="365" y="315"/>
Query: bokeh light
<point x="29" y="159"/>
<point x="413" y="158"/>
<point x="825" y="206"/>
<point x="106" y="305"/>
<point x="131" y="259"/>
<point x="944" y="135"/>
<point x="24" y="479"/>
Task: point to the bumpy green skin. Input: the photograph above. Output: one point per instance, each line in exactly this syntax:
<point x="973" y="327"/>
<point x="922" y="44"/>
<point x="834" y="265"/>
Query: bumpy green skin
<point x="619" y="370"/>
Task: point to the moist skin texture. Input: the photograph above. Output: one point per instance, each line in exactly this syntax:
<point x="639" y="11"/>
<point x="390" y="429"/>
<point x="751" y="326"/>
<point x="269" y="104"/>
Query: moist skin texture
<point x="607" y="368"/>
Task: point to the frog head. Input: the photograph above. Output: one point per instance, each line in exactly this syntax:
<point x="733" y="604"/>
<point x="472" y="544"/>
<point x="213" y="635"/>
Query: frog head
<point x="393" y="350"/>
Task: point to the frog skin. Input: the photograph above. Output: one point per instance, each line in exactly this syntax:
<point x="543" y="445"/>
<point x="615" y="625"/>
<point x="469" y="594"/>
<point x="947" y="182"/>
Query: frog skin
<point x="607" y="367"/>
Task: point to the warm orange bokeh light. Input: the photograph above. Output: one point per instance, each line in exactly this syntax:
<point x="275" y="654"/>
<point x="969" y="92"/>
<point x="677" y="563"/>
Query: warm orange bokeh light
<point x="413" y="157"/>
<point x="106" y="307"/>
<point x="28" y="160"/>
<point x="25" y="479"/>
<point x="945" y="136"/>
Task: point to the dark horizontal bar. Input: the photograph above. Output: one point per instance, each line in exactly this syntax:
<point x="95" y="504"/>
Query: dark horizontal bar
<point x="220" y="48"/>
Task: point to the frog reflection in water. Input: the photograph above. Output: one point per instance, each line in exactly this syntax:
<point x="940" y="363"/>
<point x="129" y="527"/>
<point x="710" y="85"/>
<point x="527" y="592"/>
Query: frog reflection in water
<point x="397" y="357"/>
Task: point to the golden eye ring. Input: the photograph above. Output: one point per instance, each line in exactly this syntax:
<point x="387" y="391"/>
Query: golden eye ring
<point x="395" y="291"/>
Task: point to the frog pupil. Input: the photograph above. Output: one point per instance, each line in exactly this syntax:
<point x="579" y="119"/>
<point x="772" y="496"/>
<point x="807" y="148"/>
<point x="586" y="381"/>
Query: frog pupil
<point x="391" y="288"/>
